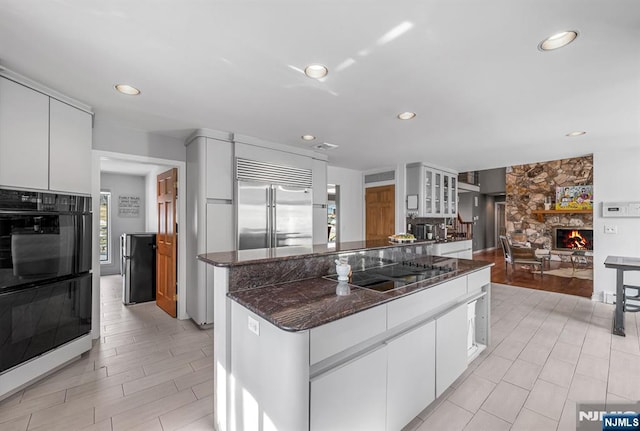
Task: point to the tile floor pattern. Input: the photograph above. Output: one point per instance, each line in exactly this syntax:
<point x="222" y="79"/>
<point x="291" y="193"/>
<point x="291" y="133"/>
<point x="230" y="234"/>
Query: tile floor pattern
<point x="148" y="372"/>
<point x="151" y="372"/>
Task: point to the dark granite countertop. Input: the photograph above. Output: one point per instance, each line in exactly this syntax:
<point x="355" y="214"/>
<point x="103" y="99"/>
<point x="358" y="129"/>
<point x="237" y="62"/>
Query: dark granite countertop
<point x="622" y="262"/>
<point x="304" y="304"/>
<point x="264" y="255"/>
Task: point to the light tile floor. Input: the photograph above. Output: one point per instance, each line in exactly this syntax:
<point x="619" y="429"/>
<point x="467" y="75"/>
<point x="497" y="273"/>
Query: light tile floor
<point x="152" y="372"/>
<point x="549" y="351"/>
<point x="147" y="372"/>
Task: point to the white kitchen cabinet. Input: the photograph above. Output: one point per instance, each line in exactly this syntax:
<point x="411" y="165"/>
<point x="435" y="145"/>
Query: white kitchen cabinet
<point x="319" y="182"/>
<point x="70" y="131"/>
<point x="410" y="375"/>
<point x="24" y="136"/>
<point x="320" y="225"/>
<point x="44" y="143"/>
<point x="451" y="347"/>
<point x="437" y="190"/>
<point x="210" y="216"/>
<point x="410" y="307"/>
<point x="457" y="249"/>
<point x="351" y="397"/>
<point x="319" y="187"/>
<point x="219" y="169"/>
<point x="339" y="335"/>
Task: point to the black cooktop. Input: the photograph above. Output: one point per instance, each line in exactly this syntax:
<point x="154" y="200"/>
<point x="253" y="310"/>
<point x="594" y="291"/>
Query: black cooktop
<point x="394" y="276"/>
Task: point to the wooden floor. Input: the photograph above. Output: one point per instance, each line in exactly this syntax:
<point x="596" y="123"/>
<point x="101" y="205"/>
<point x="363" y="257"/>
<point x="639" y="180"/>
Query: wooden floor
<point x="525" y="278"/>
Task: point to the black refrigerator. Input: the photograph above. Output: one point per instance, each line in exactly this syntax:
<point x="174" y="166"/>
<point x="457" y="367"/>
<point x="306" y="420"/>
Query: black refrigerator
<point x="138" y="267"/>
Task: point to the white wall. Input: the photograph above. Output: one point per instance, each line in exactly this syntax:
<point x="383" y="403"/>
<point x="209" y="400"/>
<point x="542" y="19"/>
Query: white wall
<point x="351" y="209"/>
<point x="108" y="136"/>
<point x="122" y="185"/>
<point x="615" y="179"/>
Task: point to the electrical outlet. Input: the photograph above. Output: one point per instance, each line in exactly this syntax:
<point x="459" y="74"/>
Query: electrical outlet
<point x="610" y="229"/>
<point x="254" y="325"/>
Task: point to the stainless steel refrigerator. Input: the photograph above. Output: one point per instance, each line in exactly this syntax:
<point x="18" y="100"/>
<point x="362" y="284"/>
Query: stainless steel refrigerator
<point x="138" y="267"/>
<point x="273" y="215"/>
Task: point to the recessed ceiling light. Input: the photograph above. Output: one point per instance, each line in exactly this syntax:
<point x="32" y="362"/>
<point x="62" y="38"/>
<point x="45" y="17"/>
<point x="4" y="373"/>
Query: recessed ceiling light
<point x="576" y="133"/>
<point x="406" y="115"/>
<point x="558" y="40"/>
<point x="308" y="137"/>
<point x="316" y="71"/>
<point x="127" y="89"/>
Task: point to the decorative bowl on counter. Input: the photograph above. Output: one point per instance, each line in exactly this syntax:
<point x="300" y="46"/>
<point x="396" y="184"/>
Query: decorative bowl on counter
<point x="402" y="237"/>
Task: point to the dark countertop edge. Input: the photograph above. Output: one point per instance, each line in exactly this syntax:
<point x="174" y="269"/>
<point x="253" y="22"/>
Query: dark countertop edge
<point x="627" y="263"/>
<point x="385" y="297"/>
<point x="230" y="258"/>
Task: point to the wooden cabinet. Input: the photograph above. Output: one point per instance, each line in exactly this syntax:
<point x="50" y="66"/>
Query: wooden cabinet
<point x="410" y="375"/>
<point x="44" y="143"/>
<point x="351" y="397"/>
<point x="437" y="190"/>
<point x="24" y="136"/>
<point x="69" y="148"/>
<point x="451" y="347"/>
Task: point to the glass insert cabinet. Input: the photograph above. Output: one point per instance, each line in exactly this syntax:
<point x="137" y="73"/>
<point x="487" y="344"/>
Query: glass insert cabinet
<point x="437" y="190"/>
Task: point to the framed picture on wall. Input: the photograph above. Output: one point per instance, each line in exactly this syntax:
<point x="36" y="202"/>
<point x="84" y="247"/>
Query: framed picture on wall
<point x="574" y="198"/>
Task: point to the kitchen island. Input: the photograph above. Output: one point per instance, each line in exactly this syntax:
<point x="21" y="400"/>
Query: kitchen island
<point x="292" y="354"/>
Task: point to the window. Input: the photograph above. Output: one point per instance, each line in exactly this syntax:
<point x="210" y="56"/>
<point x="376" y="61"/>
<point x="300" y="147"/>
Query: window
<point x="105" y="227"/>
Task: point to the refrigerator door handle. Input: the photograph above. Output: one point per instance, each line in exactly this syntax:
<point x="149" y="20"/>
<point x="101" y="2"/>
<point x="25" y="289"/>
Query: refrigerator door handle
<point x="269" y="192"/>
<point x="274" y="224"/>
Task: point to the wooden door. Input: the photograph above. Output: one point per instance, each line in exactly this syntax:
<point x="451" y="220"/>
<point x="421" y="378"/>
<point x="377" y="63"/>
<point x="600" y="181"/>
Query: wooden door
<point x="380" y="212"/>
<point x="167" y="240"/>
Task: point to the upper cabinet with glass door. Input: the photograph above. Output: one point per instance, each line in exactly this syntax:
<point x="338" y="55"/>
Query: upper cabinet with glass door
<point x="437" y="190"/>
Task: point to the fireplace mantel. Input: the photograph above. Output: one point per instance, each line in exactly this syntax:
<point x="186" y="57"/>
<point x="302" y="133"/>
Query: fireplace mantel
<point x="541" y="213"/>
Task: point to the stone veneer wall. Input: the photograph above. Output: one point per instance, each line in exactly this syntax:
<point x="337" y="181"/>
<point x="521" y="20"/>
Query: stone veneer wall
<point x="528" y="185"/>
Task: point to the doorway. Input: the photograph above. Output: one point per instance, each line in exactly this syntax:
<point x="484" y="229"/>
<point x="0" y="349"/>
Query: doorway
<point x="501" y="221"/>
<point x="380" y="212"/>
<point x="148" y="167"/>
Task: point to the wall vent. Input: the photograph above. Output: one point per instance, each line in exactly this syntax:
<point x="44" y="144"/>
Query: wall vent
<point x="380" y="177"/>
<point x="253" y="170"/>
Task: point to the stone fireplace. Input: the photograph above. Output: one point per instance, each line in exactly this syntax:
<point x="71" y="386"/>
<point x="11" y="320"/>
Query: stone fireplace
<point x="527" y="187"/>
<point x="572" y="238"/>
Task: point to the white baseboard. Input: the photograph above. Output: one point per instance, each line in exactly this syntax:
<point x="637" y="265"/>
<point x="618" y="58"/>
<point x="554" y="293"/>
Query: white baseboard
<point x="35" y="369"/>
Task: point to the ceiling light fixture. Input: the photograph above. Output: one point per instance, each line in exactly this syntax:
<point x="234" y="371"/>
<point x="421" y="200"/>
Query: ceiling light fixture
<point x="127" y="89"/>
<point x="308" y="137"/>
<point x="316" y="71"/>
<point x="558" y="40"/>
<point x="576" y="133"/>
<point x="325" y="146"/>
<point x="406" y="115"/>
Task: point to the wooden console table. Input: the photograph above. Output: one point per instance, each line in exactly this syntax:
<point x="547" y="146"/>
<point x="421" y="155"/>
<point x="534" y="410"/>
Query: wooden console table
<point x="541" y="213"/>
<point x="622" y="264"/>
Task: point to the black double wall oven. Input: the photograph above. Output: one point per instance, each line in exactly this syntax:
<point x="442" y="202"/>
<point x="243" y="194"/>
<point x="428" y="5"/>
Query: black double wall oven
<point x="45" y="273"/>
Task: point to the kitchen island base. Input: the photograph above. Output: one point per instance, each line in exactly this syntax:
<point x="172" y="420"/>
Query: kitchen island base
<point x="374" y="370"/>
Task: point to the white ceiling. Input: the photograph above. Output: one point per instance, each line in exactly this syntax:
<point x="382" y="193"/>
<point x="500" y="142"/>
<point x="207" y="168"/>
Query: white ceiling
<point x="484" y="94"/>
<point x="127" y="167"/>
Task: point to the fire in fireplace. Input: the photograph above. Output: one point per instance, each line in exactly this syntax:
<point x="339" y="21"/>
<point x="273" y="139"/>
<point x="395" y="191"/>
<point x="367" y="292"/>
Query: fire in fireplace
<point x="572" y="238"/>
